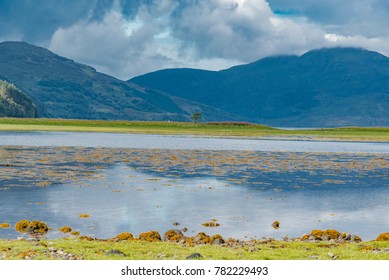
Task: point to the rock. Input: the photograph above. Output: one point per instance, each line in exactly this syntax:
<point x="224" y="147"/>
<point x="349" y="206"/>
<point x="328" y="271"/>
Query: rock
<point x="346" y="236"/>
<point x="331" y="233"/>
<point x="173" y="235"/>
<point x="211" y="224"/>
<point x="115" y="252"/>
<point x="60" y="253"/>
<point x="176" y="224"/>
<point x="184" y="229"/>
<point x="201" y="238"/>
<point x="65" y="229"/>
<point x="325" y="237"/>
<point x="383" y="237"/>
<point x="194" y="256"/>
<point x="151" y="236"/>
<point x="355" y="238"/>
<point x="124" y="236"/>
<point x="331" y="255"/>
<point x="87" y="238"/>
<point x="32" y="239"/>
<point x="37" y="226"/>
<point x="217" y="240"/>
<point x="52" y="249"/>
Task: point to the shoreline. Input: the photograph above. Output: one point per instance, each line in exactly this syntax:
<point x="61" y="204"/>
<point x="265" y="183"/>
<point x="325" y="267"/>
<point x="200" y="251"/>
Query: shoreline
<point x="327" y="244"/>
<point x="83" y="249"/>
<point x="210" y="130"/>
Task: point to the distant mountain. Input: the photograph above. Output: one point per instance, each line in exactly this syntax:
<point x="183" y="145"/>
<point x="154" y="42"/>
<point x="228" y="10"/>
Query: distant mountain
<point x="62" y="88"/>
<point x="14" y="102"/>
<point x="322" y="88"/>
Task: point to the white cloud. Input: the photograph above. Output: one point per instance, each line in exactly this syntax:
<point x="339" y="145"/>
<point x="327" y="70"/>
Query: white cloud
<point x="213" y="34"/>
<point x="114" y="45"/>
<point x="379" y="44"/>
<point x="243" y="30"/>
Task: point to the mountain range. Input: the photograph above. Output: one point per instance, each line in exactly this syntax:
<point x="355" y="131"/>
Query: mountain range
<point x="321" y="88"/>
<point x="62" y="88"/>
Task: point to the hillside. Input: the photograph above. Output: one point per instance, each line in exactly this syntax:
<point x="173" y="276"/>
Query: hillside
<point x="14" y="102"/>
<point x="62" y="88"/>
<point x="322" y="88"/>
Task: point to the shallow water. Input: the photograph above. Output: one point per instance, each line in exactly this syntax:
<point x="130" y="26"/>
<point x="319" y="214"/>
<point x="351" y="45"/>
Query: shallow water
<point x="139" y="190"/>
<point x="118" y="140"/>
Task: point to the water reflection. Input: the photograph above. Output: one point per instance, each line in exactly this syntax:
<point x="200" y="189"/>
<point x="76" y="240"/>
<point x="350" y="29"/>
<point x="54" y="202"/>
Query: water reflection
<point x="126" y="199"/>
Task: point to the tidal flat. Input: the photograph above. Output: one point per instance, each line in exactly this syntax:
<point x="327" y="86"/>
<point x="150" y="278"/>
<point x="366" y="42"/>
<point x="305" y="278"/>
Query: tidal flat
<point x="244" y="192"/>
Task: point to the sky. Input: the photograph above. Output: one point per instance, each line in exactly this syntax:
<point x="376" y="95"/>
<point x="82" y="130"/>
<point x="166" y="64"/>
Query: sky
<point x="126" y="38"/>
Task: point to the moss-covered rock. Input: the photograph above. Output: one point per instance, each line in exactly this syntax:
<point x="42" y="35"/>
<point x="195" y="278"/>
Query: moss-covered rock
<point x="202" y="238"/>
<point x="217" y="239"/>
<point x="173" y="235"/>
<point x="65" y="229"/>
<point x="22" y="225"/>
<point x="211" y="224"/>
<point x="383" y="237"/>
<point x="325" y="234"/>
<point x="150" y="236"/>
<point x="38" y="227"/>
<point x="124" y="236"/>
<point x="87" y="238"/>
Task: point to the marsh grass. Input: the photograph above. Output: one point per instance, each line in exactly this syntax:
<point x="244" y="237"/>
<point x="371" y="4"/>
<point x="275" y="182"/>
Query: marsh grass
<point x="140" y="250"/>
<point x="227" y="129"/>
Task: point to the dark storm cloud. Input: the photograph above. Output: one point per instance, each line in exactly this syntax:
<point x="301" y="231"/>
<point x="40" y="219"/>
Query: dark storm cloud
<point x="349" y="17"/>
<point x="37" y="20"/>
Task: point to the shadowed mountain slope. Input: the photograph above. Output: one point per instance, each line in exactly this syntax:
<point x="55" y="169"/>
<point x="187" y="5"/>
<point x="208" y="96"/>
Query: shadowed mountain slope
<point x="322" y="88"/>
<point x="62" y="88"/>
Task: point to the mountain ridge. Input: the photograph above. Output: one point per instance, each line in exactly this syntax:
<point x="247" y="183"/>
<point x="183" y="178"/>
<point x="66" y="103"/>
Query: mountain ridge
<point x="322" y="88"/>
<point x="63" y="88"/>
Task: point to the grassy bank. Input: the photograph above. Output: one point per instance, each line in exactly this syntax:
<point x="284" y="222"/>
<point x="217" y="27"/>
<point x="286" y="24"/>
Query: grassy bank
<point x="140" y="250"/>
<point x="205" y="129"/>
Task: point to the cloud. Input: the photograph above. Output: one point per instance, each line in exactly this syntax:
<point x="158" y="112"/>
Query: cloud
<point x="243" y="30"/>
<point x="119" y="46"/>
<point x="128" y="38"/>
<point x="167" y="33"/>
<point x="36" y="21"/>
<point x="367" y="18"/>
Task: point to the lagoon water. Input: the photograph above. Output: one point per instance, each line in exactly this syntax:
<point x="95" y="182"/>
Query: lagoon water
<point x="136" y="198"/>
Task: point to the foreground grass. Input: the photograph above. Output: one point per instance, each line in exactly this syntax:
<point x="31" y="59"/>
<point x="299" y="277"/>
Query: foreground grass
<point x="138" y="250"/>
<point x="204" y="129"/>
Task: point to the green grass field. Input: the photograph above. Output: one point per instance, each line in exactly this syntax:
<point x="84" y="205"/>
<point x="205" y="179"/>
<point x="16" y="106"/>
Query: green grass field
<point x="204" y="129"/>
<point x="140" y="250"/>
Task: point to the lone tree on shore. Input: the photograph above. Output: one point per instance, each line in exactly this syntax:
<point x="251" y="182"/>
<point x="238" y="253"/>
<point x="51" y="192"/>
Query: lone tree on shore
<point x="196" y="117"/>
